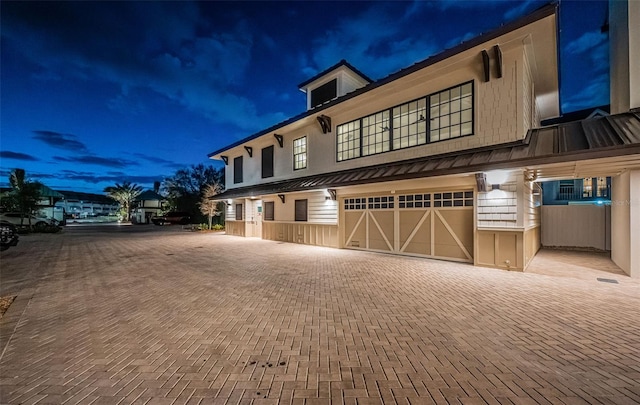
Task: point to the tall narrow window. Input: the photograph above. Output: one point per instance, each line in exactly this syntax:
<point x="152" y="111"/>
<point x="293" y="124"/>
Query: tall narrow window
<point x="269" y="211"/>
<point x="451" y="113"/>
<point x="237" y="170"/>
<point x="267" y="162"/>
<point x="375" y="133"/>
<point x="301" y="210"/>
<point x="348" y="140"/>
<point x="587" y="187"/>
<point x="300" y="153"/>
<point x="238" y="212"/>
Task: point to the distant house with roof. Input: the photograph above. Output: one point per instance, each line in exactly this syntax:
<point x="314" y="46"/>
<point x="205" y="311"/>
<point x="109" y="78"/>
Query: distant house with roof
<point x="78" y="205"/>
<point x="146" y="206"/>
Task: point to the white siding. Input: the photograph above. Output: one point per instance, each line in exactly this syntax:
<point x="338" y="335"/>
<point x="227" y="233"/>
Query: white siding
<point x="498" y="208"/>
<point x="319" y="209"/>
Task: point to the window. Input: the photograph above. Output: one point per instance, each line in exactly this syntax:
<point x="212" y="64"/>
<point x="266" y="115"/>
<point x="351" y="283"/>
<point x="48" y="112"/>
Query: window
<point x="603" y="189"/>
<point x="324" y="93"/>
<point x="410" y="124"/>
<point x="440" y="116"/>
<point x="300" y="153"/>
<point x="380" y="203"/>
<point x="267" y="162"/>
<point x="414" y="201"/>
<point x="237" y="170"/>
<point x="587" y="187"/>
<point x="451" y="113"/>
<point x="348" y="140"/>
<point x="269" y="211"/>
<point x="301" y="210"/>
<point x="355" y="203"/>
<point x="375" y="133"/>
<point x="238" y="212"/>
<point x="453" y="199"/>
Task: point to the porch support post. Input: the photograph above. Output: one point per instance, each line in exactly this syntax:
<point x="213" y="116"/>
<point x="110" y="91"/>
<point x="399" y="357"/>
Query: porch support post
<point x="625" y="222"/>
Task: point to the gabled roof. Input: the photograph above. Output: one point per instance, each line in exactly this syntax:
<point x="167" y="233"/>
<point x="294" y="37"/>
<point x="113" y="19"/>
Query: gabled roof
<point x="87" y="197"/>
<point x="593" y="138"/>
<point x="344" y="63"/>
<point x="538" y="14"/>
<point x="149" y="195"/>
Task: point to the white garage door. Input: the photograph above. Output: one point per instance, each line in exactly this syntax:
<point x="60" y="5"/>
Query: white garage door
<point x="431" y="224"/>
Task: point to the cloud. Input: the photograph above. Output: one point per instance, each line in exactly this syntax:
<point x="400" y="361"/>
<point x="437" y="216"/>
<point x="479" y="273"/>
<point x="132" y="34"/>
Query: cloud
<point x="374" y="39"/>
<point x="98" y="178"/>
<point x="157" y="160"/>
<point x="5" y="154"/>
<point x="168" y="48"/>
<point x="521" y="9"/>
<point x="588" y="41"/>
<point x="98" y="161"/>
<point x="595" y="93"/>
<point x="60" y="141"/>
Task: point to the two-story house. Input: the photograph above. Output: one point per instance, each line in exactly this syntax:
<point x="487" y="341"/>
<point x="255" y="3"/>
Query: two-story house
<point x="438" y="160"/>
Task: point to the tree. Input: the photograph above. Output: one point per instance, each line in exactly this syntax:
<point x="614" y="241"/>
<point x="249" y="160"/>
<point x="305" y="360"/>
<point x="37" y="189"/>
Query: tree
<point x="24" y="195"/>
<point x="186" y="187"/>
<point x="207" y="206"/>
<point x="124" y="194"/>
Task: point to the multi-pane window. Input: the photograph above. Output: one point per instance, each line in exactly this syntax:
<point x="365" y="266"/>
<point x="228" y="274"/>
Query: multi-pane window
<point x="440" y="116"/>
<point x="300" y="153"/>
<point x="375" y="133"/>
<point x="451" y="113"/>
<point x="414" y="201"/>
<point x="301" y="210"/>
<point x="410" y="124"/>
<point x="348" y="140"/>
<point x="453" y="199"/>
<point x="269" y="211"/>
<point x="587" y="187"/>
<point x="380" y="203"/>
<point x="359" y="203"/>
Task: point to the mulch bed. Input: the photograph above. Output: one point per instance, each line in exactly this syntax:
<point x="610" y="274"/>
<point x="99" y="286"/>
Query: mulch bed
<point x="5" y="302"/>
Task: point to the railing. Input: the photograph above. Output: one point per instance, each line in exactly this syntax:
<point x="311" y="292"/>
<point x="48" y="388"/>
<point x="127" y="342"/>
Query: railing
<point x="577" y="194"/>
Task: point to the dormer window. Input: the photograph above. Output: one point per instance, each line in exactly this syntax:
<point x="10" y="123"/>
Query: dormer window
<point x="324" y="93"/>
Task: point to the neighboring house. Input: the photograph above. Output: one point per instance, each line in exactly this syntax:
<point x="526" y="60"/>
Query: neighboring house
<point x="440" y="159"/>
<point x="47" y="205"/>
<point x="146" y="206"/>
<point x="78" y="205"/>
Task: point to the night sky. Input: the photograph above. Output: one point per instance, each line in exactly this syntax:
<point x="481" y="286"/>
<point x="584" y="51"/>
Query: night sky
<point x="98" y="93"/>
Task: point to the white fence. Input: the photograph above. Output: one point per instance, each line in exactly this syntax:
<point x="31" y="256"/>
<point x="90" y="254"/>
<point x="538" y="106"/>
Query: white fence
<point x="578" y="226"/>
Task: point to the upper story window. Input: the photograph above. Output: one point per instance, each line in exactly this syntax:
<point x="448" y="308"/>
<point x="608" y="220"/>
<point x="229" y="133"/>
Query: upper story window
<point x="237" y="170"/>
<point x="267" y="162"/>
<point x="324" y="93"/>
<point x="300" y="153"/>
<point x="449" y="115"/>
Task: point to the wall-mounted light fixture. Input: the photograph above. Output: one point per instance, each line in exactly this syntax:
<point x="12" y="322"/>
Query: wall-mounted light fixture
<point x="331" y="194"/>
<point x="495" y="187"/>
<point x="281" y="196"/>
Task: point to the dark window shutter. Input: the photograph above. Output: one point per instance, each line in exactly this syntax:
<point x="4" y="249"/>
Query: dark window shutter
<point x="238" y="212"/>
<point x="268" y="211"/>
<point x="237" y="170"/>
<point x="324" y="93"/>
<point x="267" y="162"/>
<point x="301" y="210"/>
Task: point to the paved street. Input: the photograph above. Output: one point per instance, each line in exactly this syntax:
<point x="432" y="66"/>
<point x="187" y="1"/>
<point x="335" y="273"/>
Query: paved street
<point x="151" y="315"/>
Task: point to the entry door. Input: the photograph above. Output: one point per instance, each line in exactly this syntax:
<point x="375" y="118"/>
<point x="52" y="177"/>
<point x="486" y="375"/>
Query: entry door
<point x="254" y="218"/>
<point x="431" y="224"/>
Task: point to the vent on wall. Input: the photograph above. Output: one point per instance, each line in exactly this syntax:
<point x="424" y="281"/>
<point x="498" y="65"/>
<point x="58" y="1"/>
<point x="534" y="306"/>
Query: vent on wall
<point x="355" y="243"/>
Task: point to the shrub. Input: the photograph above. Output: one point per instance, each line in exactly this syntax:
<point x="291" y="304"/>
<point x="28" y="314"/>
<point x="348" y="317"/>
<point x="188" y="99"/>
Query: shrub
<point x="218" y="227"/>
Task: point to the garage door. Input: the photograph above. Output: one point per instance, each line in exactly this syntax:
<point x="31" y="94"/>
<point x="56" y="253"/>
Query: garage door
<point x="431" y="224"/>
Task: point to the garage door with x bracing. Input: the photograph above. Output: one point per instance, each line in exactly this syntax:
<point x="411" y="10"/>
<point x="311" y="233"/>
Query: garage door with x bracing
<point x="431" y="224"/>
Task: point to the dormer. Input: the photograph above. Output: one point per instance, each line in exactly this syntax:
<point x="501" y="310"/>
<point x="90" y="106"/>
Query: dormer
<point x="334" y="82"/>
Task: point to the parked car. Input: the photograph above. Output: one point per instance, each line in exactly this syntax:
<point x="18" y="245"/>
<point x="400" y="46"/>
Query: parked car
<point x="8" y="235"/>
<point x="174" y="217"/>
<point x="37" y="222"/>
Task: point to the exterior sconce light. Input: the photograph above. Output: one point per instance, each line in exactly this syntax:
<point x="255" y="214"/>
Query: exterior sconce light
<point x="331" y="194"/>
<point x="495" y="187"/>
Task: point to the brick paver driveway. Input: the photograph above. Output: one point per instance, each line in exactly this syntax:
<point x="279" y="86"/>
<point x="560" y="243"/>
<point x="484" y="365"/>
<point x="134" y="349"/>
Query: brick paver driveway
<point x="162" y="316"/>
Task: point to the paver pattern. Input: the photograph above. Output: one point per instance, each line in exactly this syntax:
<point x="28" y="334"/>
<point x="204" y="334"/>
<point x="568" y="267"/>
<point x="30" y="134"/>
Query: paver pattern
<point x="171" y="317"/>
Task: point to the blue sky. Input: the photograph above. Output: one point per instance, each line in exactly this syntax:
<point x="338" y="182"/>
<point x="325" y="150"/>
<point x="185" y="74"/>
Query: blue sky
<point x="97" y="93"/>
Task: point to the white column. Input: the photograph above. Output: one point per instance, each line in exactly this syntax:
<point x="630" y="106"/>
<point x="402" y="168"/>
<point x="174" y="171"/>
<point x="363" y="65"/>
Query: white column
<point x="625" y="222"/>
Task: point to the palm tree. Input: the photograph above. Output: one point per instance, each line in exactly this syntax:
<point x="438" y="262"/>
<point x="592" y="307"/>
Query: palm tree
<point x="25" y="193"/>
<point x="125" y="194"/>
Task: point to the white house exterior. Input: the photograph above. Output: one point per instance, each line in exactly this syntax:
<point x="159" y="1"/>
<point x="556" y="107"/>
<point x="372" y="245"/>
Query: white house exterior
<point x="438" y="160"/>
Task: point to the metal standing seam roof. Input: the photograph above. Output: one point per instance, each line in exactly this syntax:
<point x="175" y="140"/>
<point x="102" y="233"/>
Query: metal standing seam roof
<point x="592" y="138"/>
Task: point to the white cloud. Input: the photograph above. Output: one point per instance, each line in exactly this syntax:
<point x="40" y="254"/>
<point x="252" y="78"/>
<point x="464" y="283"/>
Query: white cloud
<point x="586" y="42"/>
